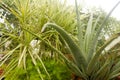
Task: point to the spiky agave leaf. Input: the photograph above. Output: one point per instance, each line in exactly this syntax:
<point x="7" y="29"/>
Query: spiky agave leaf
<point x="95" y="40"/>
<point x="76" y="52"/>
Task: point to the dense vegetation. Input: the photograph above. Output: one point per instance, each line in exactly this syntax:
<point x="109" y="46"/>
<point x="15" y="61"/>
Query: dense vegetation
<point x="50" y="40"/>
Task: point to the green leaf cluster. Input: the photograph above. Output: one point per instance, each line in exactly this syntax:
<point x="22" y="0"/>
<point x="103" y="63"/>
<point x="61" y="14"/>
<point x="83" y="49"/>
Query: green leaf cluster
<point x="89" y="62"/>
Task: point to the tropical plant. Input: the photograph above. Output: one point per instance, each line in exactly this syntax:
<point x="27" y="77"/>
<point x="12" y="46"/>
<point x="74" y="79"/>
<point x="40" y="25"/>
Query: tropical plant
<point x="18" y="46"/>
<point x="29" y="17"/>
<point x="110" y="27"/>
<point x="89" y="62"/>
<point x="49" y="10"/>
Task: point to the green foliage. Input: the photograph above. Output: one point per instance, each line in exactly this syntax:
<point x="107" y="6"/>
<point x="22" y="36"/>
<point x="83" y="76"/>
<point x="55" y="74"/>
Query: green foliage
<point x="36" y="14"/>
<point x="16" y="74"/>
<point x="56" y="70"/>
<point x="27" y="61"/>
<point x="87" y="59"/>
<point x="31" y="15"/>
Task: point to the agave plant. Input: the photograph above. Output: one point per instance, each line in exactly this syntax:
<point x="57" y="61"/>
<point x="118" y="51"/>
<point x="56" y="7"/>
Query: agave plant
<point x="89" y="62"/>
